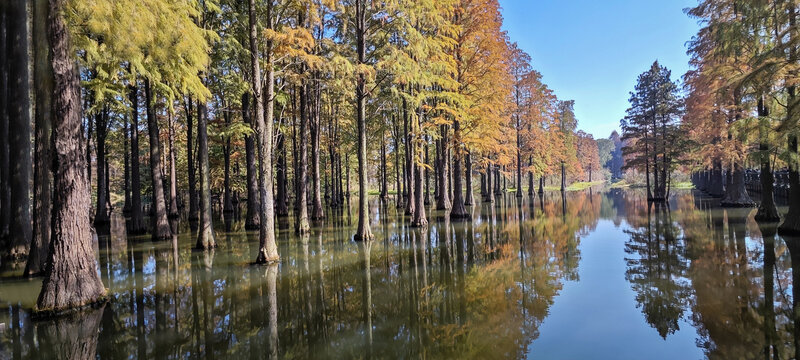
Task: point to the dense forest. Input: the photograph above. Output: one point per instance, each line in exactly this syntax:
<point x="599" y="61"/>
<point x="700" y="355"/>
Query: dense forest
<point x="200" y="110"/>
<point x="164" y="110"/>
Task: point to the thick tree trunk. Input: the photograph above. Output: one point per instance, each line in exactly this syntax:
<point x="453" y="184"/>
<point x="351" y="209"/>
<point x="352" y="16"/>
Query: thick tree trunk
<point x="563" y="177"/>
<point x="716" y="188"/>
<point x="159" y="222"/>
<point x="137" y="225"/>
<point x="101" y="216"/>
<point x="791" y="223"/>
<point x="190" y="165"/>
<point x="205" y="232"/>
<point x="736" y="193"/>
<point x="767" y="211"/>
<point x="252" y="220"/>
<point x="42" y="175"/>
<point x="469" y="199"/>
<point x="71" y="279"/>
<point x="267" y="249"/>
<point x="541" y="185"/>
<point x="427" y="174"/>
<point x="19" y="124"/>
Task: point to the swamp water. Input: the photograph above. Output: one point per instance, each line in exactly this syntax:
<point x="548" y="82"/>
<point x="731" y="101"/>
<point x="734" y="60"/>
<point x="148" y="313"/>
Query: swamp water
<point x="595" y="274"/>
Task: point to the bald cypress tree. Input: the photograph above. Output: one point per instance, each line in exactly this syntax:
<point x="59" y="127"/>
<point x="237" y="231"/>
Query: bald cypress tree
<point x="71" y="279"/>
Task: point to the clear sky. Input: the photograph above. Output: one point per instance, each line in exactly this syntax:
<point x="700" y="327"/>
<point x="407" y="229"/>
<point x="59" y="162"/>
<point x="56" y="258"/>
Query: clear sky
<point x="591" y="51"/>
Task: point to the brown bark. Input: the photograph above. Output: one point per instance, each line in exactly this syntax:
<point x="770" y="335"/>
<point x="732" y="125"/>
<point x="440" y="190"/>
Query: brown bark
<point x="42" y="175"/>
<point x="159" y="222"/>
<point x="71" y="279"/>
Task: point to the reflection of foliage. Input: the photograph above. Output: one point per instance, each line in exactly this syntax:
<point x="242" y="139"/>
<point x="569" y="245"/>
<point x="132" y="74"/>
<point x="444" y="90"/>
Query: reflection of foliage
<point x="657" y="266"/>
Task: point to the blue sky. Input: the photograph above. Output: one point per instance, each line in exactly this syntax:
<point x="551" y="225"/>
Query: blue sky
<point x="591" y="51"/>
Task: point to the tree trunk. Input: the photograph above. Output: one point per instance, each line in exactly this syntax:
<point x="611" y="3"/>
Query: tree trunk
<point x="458" y="211"/>
<point x="227" y="200"/>
<point x="443" y="201"/>
<point x="716" y="188"/>
<point x="427" y="175"/>
<point x="160" y="224"/>
<point x="137" y="225"/>
<point x="19" y="124"/>
<point x="398" y="188"/>
<point x="563" y="177"/>
<point x="301" y="199"/>
<point x="126" y="158"/>
<point x="489" y="191"/>
<point x="173" y="173"/>
<point x="419" y="219"/>
<point x="190" y="164"/>
<point x="363" y="232"/>
<point x="252" y="220"/>
<point x="409" y="178"/>
<point x="317" y="212"/>
<point x="71" y="278"/>
<point x="267" y="249"/>
<point x="469" y="199"/>
<point x="282" y="205"/>
<point x="205" y="232"/>
<point x="736" y="192"/>
<point x="384" y="182"/>
<point x="767" y="211"/>
<point x="531" y="184"/>
<point x="791" y="223"/>
<point x="5" y="194"/>
<point x="42" y="175"/>
<point x="101" y="217"/>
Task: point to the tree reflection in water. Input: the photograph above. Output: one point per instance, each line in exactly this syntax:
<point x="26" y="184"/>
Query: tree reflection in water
<point x="460" y="289"/>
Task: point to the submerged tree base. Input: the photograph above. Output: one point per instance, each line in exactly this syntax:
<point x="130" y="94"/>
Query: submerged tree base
<point x="51" y="314"/>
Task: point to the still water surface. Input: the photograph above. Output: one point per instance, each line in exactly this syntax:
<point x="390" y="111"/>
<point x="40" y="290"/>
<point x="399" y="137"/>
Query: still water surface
<point x="593" y="275"/>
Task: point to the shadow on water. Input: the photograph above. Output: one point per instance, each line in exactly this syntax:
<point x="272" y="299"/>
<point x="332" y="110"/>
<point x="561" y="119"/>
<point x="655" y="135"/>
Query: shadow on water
<point x="457" y="289"/>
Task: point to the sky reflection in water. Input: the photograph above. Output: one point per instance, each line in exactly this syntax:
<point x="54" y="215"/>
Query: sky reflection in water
<point x="594" y="275"/>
